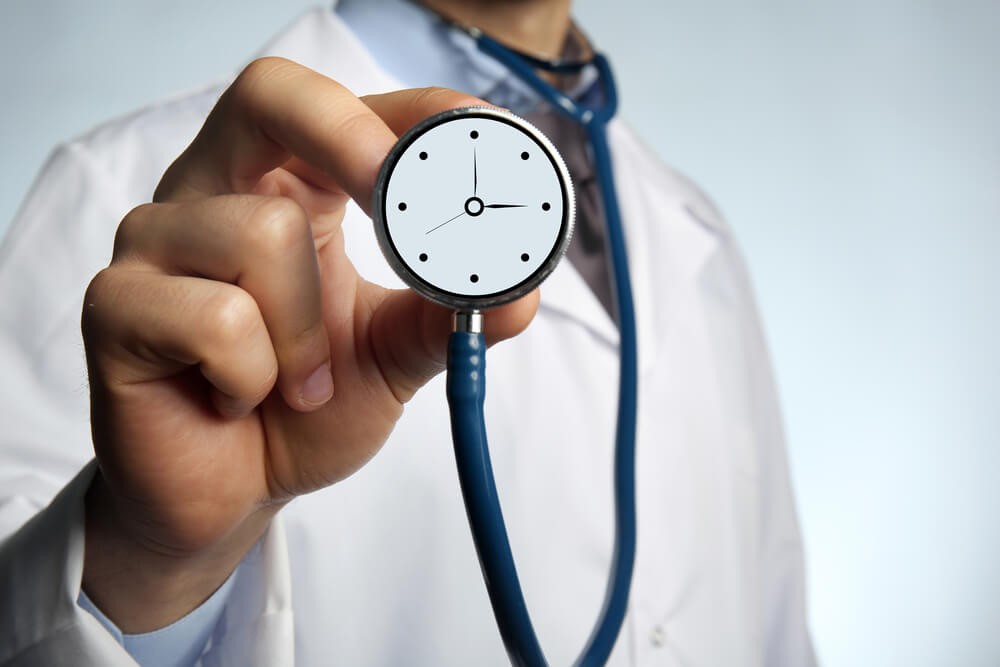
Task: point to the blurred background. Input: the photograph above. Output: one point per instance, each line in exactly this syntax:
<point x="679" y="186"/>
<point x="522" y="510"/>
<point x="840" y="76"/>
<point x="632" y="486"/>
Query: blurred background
<point x="854" y="147"/>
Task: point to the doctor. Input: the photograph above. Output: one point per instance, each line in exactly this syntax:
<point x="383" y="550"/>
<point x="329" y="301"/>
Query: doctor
<point x="245" y="367"/>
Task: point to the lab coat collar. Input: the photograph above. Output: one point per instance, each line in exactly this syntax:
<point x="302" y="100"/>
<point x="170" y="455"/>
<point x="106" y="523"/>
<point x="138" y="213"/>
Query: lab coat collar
<point x="321" y="41"/>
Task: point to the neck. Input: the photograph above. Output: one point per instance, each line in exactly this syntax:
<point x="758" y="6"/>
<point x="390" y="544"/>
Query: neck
<point x="534" y="26"/>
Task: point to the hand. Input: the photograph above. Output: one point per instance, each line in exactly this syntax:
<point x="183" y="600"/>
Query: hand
<point x="227" y="319"/>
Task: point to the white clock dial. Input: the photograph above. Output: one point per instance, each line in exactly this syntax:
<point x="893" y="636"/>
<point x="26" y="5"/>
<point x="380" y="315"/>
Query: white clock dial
<point x="473" y="207"/>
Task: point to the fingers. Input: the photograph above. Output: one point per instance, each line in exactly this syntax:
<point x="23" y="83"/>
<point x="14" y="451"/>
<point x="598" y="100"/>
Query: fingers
<point x="410" y="335"/>
<point x="264" y="245"/>
<point x="277" y="109"/>
<point x="282" y="129"/>
<point x="140" y="326"/>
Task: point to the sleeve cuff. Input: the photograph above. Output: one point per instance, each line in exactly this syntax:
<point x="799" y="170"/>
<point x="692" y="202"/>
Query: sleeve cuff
<point x="40" y="570"/>
<point x="179" y="644"/>
<point x="41" y="566"/>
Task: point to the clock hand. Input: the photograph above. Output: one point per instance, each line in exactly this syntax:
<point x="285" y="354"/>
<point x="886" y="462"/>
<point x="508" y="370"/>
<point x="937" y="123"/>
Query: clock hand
<point x="444" y="223"/>
<point x="475" y="173"/>
<point x="505" y="205"/>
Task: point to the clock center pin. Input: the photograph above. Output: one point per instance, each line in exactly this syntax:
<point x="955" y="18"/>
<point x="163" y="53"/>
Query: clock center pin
<point x="474" y="206"/>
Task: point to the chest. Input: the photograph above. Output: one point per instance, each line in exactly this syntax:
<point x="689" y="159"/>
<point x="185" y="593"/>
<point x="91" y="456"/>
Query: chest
<point x="384" y="570"/>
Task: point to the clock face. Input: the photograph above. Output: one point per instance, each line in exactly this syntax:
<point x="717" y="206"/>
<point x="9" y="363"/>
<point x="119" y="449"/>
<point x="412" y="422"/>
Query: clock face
<point x="473" y="208"/>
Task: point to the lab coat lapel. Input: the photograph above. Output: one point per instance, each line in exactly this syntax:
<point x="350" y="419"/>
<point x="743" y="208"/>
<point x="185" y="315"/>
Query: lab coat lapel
<point x="658" y="217"/>
<point x="648" y="212"/>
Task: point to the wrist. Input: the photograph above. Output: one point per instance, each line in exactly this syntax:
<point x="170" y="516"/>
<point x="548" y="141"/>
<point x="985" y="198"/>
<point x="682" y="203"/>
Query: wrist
<point x="141" y="585"/>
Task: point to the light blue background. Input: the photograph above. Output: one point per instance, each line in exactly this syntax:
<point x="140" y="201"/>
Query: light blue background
<point x="855" y="147"/>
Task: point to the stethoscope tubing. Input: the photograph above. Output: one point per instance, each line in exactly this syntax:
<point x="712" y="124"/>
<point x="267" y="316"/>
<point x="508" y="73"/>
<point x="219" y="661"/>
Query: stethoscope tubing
<point x="466" y="386"/>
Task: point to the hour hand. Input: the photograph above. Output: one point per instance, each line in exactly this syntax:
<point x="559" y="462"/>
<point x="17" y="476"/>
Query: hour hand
<point x="505" y="205"/>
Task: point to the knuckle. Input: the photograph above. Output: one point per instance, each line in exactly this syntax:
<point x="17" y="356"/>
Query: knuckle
<point x="130" y="231"/>
<point x="277" y="225"/>
<point x="261" y="68"/>
<point x="257" y="75"/>
<point x="347" y="114"/>
<point x="99" y="284"/>
<point x="433" y="92"/>
<point x="231" y="317"/>
<point x="437" y="96"/>
<point x="102" y="290"/>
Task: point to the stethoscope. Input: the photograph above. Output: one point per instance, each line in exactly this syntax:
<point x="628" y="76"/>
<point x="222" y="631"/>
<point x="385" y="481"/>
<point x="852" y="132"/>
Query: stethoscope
<point x="466" y="392"/>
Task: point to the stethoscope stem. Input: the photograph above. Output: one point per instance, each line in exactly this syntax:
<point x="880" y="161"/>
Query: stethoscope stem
<point x="467" y="321"/>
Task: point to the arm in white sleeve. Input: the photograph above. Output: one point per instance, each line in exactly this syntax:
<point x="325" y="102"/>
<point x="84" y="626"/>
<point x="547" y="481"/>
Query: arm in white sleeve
<point x="41" y="565"/>
<point x="249" y="622"/>
<point x="60" y="238"/>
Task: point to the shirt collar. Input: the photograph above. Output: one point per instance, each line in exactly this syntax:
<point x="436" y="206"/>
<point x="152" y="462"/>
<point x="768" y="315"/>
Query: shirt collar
<point x="417" y="47"/>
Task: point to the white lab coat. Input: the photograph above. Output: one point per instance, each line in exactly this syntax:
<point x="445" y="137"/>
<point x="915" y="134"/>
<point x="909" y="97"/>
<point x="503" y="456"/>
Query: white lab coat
<point x="380" y="569"/>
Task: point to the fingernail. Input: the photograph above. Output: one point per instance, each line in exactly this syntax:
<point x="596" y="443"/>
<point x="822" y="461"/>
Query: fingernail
<point x="318" y="388"/>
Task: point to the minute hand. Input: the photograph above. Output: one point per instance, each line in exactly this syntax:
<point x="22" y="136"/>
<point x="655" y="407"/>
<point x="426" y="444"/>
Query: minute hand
<point x="505" y="205"/>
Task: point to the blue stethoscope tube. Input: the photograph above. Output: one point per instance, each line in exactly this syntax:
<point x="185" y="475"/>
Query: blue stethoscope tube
<point x="466" y="388"/>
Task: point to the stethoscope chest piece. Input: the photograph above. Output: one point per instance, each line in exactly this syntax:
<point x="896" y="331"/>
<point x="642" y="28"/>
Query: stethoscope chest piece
<point x="473" y="208"/>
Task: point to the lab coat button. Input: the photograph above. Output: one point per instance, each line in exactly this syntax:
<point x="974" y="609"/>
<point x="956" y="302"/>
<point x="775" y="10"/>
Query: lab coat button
<point x="658" y="636"/>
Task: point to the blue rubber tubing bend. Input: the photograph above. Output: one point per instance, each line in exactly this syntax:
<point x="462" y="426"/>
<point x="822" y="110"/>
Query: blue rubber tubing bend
<point x="466" y="388"/>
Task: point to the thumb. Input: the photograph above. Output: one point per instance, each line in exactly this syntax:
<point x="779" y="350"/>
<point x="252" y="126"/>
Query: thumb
<point x="409" y="335"/>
